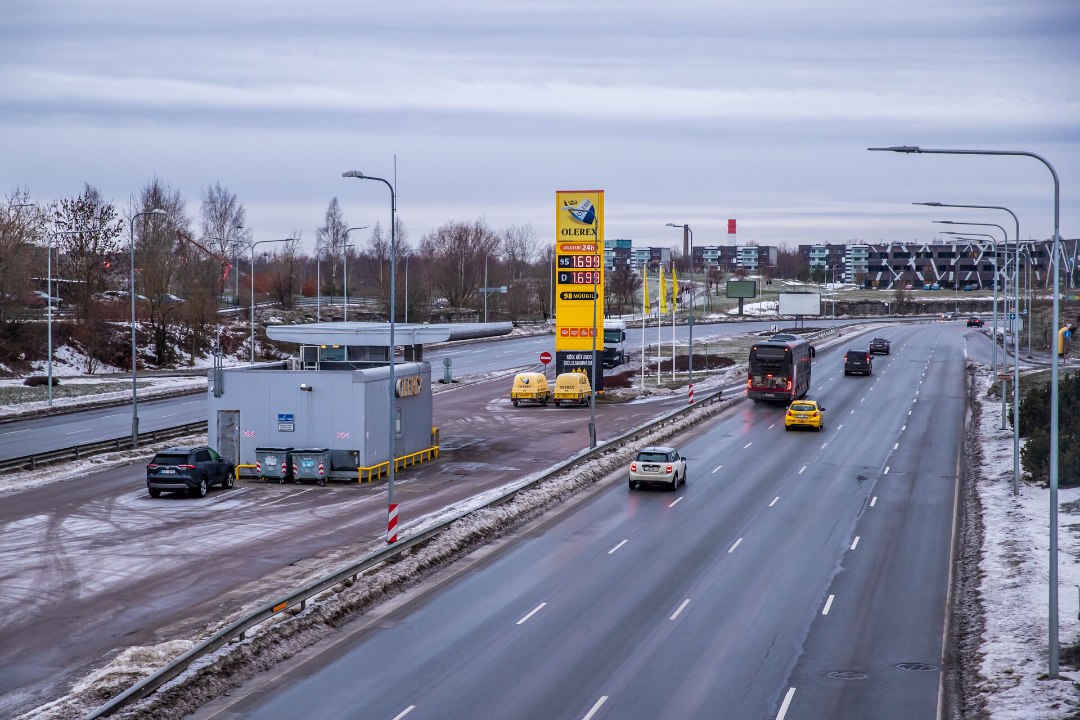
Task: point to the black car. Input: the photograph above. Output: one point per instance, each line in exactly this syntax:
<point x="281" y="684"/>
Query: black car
<point x="975" y="322"/>
<point x="188" y="469"/>
<point x="858" y="362"/>
<point x="879" y="346"/>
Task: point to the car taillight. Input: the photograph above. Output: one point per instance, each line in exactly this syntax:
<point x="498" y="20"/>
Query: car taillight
<point x="633" y="467"/>
<point x="667" y="469"/>
<point x="151" y="466"/>
<point x="185" y="467"/>
<point x="789" y="384"/>
<point x="749" y="383"/>
<point x="790" y="411"/>
<point x="845" y="357"/>
<point x="816" y="413"/>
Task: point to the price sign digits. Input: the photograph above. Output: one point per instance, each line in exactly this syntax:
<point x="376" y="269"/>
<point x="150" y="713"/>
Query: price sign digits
<point x="579" y="277"/>
<point x="584" y="262"/>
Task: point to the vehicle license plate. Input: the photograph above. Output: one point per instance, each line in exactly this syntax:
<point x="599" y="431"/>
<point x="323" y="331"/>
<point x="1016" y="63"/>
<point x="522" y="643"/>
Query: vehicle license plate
<point x="271" y="459"/>
<point x="168" y="471"/>
<point x="801" y="416"/>
<point x="651" y="468"/>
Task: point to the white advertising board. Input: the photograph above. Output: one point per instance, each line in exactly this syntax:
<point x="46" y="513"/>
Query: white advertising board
<point x="800" y="303"/>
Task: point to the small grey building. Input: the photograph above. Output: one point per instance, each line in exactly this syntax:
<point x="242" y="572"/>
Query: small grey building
<point x="334" y="396"/>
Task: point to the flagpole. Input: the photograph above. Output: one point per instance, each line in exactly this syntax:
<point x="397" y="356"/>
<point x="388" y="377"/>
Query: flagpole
<point x="644" y="310"/>
<point x="672" y="321"/>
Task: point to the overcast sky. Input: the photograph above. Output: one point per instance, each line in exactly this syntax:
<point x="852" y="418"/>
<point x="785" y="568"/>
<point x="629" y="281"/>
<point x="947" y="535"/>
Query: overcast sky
<point x="685" y="112"/>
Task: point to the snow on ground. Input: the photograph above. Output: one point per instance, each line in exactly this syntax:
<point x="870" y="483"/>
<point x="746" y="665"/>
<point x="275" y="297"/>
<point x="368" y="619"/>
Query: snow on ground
<point x="116" y="389"/>
<point x="1014" y="581"/>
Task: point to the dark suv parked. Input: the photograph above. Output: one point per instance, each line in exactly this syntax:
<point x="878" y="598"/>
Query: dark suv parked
<point x="188" y="469"/>
<point x="858" y="361"/>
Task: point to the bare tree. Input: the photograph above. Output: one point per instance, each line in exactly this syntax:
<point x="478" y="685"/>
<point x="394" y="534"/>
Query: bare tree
<point x="519" y="248"/>
<point x="223" y="218"/>
<point x="285" y="271"/>
<point x="156" y="253"/>
<point x="623" y="285"/>
<point x="331" y="237"/>
<point x="21" y="226"/>
<point x="454" y="255"/>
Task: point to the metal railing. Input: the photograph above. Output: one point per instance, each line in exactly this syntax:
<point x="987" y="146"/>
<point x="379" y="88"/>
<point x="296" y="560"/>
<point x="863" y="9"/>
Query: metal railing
<point x="78" y="452"/>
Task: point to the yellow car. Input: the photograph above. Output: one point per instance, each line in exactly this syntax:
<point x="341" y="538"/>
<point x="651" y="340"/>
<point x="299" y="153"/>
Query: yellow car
<point x="805" y="413"/>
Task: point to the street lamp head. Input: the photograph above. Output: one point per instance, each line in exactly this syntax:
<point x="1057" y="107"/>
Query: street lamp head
<point x="944" y="222"/>
<point x="157" y="211"/>
<point x="899" y="149"/>
<point x="353" y="174"/>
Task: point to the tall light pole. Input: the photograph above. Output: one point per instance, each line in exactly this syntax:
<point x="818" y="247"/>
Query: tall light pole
<point x="688" y="235"/>
<point x="345" y="261"/>
<point x="252" y="249"/>
<point x="134" y="368"/>
<point x="1054" y="411"/>
<point x="595" y="302"/>
<point x="391" y="508"/>
<point x="1016" y="336"/>
<point x="993" y="244"/>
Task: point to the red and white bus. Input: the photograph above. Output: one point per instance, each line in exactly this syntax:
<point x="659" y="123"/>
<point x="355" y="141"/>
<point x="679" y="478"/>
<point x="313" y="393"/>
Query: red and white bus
<point x="779" y="368"/>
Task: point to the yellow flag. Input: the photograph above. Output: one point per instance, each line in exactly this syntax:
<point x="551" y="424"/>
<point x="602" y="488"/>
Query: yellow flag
<point x="645" y="274"/>
<point x="663" y="291"/>
<point x="674" y="290"/>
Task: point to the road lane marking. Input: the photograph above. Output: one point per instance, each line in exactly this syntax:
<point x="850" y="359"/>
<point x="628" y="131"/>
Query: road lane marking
<point x="162" y="417"/>
<point x="73" y="432"/>
<point x="909" y="412"/>
<point x="895" y="446"/>
<point x="747" y="445"/>
<point x="717" y="468"/>
<point x="824" y="444"/>
<point x="357" y="502"/>
<point x="732" y="548"/>
<point x="675" y="502"/>
<point x="851" y="413"/>
<point x="774" y="501"/>
<point x="12" y="432"/>
<point x="856" y="543"/>
<point x="601" y="701"/>
<point x="903" y="428"/>
<point x="771" y="426"/>
<point x="535" y="610"/>
<point x="609" y="552"/>
<point x="873" y="501"/>
<point x="681" y="607"/>
<point x="404" y="712"/>
<point x="801" y="469"/>
<point x="288" y="497"/>
<point x="783" y="706"/>
<point x="828" y="604"/>
<point x="886" y="469"/>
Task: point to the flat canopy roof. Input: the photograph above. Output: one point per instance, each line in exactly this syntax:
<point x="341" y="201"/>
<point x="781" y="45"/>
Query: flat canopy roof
<point x="368" y="334"/>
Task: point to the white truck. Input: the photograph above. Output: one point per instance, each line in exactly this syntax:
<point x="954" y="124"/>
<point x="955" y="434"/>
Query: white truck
<point x="614" y="343"/>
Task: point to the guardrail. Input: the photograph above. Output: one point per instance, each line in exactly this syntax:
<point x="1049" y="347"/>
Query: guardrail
<point x="32" y="462"/>
<point x="299" y="599"/>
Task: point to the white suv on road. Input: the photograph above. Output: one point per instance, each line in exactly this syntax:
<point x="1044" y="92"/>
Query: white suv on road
<point x="658" y="465"/>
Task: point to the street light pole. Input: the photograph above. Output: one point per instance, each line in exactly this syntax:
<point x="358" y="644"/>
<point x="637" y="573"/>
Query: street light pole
<point x="391" y="525"/>
<point x="134" y="368"/>
<point x="1054" y="410"/>
<point x="993" y="244"/>
<point x="252" y="249"/>
<point x="688" y="234"/>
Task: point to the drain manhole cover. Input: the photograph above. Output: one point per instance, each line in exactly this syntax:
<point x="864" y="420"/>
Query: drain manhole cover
<point x="918" y="667"/>
<point x="848" y="675"/>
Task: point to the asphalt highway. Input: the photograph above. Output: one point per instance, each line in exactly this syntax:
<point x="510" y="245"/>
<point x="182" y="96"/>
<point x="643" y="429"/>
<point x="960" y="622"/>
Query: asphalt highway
<point x="796" y="575"/>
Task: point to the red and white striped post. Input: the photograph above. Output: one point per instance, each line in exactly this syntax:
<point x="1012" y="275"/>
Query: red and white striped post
<point x="691" y="394"/>
<point x="391" y="523"/>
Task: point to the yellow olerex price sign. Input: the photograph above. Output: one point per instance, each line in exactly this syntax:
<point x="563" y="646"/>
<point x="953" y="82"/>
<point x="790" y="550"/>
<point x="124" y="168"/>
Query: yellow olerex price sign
<point x="579" y="270"/>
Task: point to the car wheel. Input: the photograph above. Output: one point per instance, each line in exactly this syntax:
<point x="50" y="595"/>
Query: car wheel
<point x="556" y="403"/>
<point x="155" y="493"/>
<point x="684" y="477"/>
<point x="201" y="490"/>
<point x="632" y="485"/>
<point x="229" y="481"/>
<point x="515" y="402"/>
<point x="675" y="483"/>
<point x="787" y="427"/>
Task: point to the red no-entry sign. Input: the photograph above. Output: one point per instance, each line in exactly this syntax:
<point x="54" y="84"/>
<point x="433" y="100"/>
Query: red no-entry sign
<point x="545" y="357"/>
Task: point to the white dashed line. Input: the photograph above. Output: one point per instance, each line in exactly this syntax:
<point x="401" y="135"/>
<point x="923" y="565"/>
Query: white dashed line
<point x="732" y="548"/>
<point x="774" y="501"/>
<point x="676" y="501"/>
<point x="855" y="544"/>
<point x="823" y="445"/>
<point x="617" y="547"/>
<point x="771" y="426"/>
<point x="828" y="604"/>
<point x="601" y="701"/>
<point x="747" y="445"/>
<point x="886" y="470"/>
<point x="717" y="468"/>
<point x="895" y="446"/>
<point x="873" y="501"/>
<point x="404" y="712"/>
<point x="801" y="469"/>
<point x="786" y="704"/>
<point x="535" y="610"/>
<point x="681" y="608"/>
<point x="288" y="497"/>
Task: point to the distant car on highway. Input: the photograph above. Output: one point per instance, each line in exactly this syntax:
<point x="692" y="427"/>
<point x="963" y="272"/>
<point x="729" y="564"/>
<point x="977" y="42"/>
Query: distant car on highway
<point x="948" y="316"/>
<point x="805" y="413"/>
<point x="658" y="466"/>
<point x="879" y="346"/>
<point x="974" y="321"/>
<point x="858" y="362"/>
<point x="190" y="469"/>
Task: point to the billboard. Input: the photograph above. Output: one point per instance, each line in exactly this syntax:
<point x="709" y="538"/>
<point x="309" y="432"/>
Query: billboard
<point x="800" y="303"/>
<point x="579" y="270"/>
<point x="742" y="288"/>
